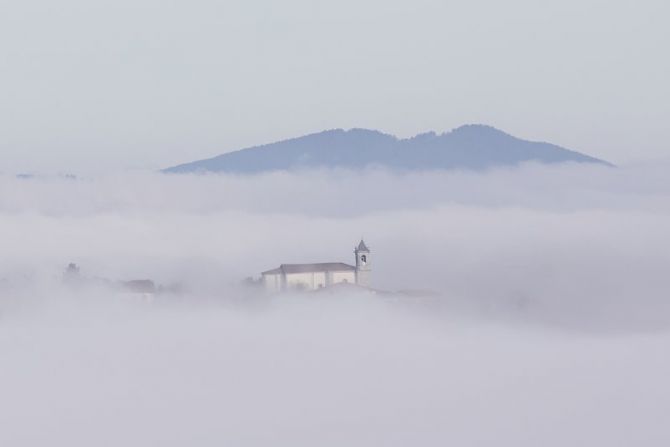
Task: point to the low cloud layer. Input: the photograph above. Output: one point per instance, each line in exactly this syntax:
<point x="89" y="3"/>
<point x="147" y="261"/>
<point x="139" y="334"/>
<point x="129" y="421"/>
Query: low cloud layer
<point x="546" y="321"/>
<point x="569" y="243"/>
<point x="323" y="373"/>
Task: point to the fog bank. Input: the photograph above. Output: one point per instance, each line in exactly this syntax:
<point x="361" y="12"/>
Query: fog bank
<point x="576" y="245"/>
<point x="542" y="319"/>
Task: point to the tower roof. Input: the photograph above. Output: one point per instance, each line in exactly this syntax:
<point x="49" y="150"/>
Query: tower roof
<point x="362" y="247"/>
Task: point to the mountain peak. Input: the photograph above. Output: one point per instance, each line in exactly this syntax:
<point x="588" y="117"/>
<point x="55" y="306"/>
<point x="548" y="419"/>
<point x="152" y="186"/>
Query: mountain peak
<point x="478" y="129"/>
<point x="473" y="146"/>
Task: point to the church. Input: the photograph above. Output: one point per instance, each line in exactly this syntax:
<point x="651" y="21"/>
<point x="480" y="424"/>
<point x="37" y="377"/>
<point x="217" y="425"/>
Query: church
<point x="316" y="276"/>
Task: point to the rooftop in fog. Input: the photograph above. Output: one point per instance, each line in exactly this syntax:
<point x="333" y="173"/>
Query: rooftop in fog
<point x="318" y="267"/>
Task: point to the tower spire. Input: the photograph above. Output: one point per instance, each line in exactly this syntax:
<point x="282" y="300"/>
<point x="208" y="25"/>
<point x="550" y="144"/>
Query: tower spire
<point x="362" y="246"/>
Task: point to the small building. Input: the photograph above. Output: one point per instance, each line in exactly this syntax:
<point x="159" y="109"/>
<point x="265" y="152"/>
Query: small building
<point x="139" y="286"/>
<point x="316" y="276"/>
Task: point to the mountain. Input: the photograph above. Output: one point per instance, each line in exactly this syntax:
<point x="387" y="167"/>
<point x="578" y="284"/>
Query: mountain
<point x="472" y="147"/>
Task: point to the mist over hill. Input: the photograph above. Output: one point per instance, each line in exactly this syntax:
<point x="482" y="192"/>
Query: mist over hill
<point x="473" y="147"/>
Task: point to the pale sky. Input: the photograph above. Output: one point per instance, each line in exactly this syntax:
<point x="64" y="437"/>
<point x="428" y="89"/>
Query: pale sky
<point x="127" y="84"/>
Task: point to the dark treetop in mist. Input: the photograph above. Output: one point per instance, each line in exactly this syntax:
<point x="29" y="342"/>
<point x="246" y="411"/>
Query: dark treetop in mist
<point x="468" y="147"/>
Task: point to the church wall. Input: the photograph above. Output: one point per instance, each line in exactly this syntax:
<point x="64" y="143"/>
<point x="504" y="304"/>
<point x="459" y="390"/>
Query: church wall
<point x="320" y="279"/>
<point x="272" y="283"/>
<point x="339" y="277"/>
<point x="300" y="280"/>
<point x="312" y="280"/>
<point x="315" y="280"/>
<point x="306" y="281"/>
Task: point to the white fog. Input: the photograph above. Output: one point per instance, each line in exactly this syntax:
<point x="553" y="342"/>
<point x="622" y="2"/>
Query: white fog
<point x="528" y="306"/>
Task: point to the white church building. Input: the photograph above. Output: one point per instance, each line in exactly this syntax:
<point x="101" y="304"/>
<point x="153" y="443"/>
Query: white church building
<point x="316" y="276"/>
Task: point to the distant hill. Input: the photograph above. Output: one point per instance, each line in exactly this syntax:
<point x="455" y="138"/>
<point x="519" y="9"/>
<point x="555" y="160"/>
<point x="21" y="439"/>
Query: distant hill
<point x="472" y="147"/>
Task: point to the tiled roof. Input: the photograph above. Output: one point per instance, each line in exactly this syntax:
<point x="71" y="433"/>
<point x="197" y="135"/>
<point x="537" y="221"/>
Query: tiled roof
<point x="308" y="268"/>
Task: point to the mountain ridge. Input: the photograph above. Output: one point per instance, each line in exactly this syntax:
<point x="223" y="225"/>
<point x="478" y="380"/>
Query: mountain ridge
<point x="472" y="146"/>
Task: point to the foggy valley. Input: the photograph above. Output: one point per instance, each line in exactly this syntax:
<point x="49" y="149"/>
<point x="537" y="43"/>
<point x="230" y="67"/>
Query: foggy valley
<point x="369" y="223"/>
<point x="517" y="287"/>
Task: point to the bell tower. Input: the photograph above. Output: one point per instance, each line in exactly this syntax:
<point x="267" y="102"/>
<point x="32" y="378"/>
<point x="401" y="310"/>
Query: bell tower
<point x="363" y="265"/>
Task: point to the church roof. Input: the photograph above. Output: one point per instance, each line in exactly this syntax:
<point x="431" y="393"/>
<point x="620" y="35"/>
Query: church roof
<point x="308" y="268"/>
<point x="362" y="247"/>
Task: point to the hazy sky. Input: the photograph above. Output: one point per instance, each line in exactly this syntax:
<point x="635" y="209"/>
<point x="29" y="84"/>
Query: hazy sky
<point x="115" y="84"/>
